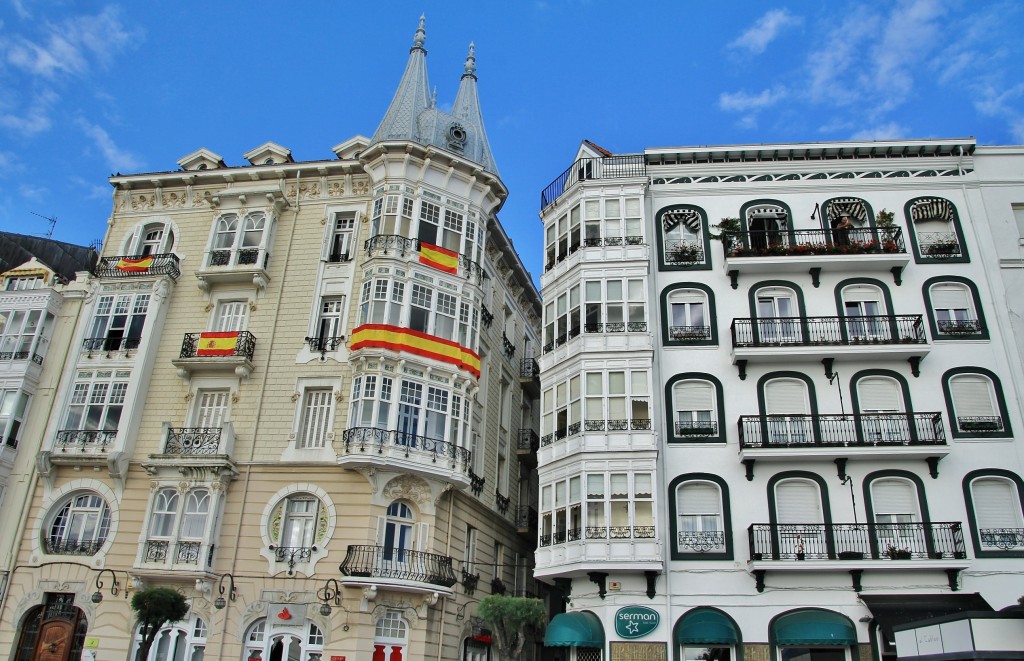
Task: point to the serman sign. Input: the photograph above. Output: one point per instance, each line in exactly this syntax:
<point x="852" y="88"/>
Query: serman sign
<point x="636" y="621"/>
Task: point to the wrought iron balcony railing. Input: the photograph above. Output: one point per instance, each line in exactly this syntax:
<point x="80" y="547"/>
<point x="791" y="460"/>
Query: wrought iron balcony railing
<point x="502" y="502"/>
<point x="486" y="316"/>
<point x="325" y="344"/>
<point x="608" y="167"/>
<point x="617" y="327"/>
<point x="244" y="347"/>
<point x="980" y="423"/>
<point x="528" y="441"/>
<point x="292" y="555"/>
<point x="701" y="541"/>
<point x="193" y="441"/>
<point x="612" y="241"/>
<point x="597" y="532"/>
<point x="373" y="439"/>
<point x="1003" y="539"/>
<point x="835" y="331"/>
<point x="689" y="333"/>
<point x="400" y="564"/>
<point x="133" y="266"/>
<point x="185" y="553"/>
<point x="510" y="349"/>
<point x="73" y="546"/>
<point x="385" y="244"/>
<point x="339" y="257"/>
<point x="856" y="541"/>
<point x="830" y="430"/>
<point x="797" y="243"/>
<point x="959" y="326"/>
<point x="939" y="245"/>
<point x="238" y="257"/>
<point x="687" y="252"/>
<point x="696" y="428"/>
<point x="529" y="369"/>
<point x="21" y="355"/>
<point x="476" y="483"/>
<point x="109" y="344"/>
<point x="526" y="518"/>
<point x="85" y="439"/>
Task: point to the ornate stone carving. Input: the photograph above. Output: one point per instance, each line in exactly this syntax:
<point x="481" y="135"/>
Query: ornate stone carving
<point x="407" y="487"/>
<point x="173" y="200"/>
<point x="336" y="189"/>
<point x="143" y="202"/>
<point x="361" y="187"/>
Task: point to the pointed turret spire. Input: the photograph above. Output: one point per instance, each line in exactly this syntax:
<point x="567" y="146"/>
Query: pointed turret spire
<point x="466" y="109"/>
<point x="412" y="96"/>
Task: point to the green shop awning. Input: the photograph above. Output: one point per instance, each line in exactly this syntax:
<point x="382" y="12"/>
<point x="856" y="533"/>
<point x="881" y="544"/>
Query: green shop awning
<point x="704" y="626"/>
<point x="814" y="627"/>
<point x="580" y="629"/>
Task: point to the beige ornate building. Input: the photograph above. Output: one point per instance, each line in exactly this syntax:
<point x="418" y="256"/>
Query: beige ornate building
<point x="297" y="394"/>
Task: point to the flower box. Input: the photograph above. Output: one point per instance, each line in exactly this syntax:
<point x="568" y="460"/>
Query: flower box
<point x="851" y="555"/>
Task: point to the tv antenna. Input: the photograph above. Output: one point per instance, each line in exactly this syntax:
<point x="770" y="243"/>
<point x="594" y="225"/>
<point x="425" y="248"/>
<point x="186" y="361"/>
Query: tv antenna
<point x="52" y="220"/>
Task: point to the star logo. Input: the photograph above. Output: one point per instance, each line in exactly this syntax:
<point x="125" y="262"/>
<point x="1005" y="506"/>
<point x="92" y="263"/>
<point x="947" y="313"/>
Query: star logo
<point x="633" y="627"/>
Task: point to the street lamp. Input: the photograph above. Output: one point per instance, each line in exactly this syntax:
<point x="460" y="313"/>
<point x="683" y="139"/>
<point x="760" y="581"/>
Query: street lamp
<point x="327" y="593"/>
<point x="115" y="586"/>
<point x="219" y="603"/>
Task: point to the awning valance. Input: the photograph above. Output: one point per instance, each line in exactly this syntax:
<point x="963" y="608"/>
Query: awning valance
<point x="813" y="627"/>
<point x="704" y="626"/>
<point x="580" y="629"/>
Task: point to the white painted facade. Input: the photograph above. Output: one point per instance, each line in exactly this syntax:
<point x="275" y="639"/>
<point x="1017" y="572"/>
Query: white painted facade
<point x="818" y="403"/>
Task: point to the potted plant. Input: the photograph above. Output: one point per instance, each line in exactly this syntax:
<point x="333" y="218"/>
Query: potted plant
<point x="943" y="248"/>
<point x="979" y="425"/>
<point x="686" y="252"/>
<point x="728" y="228"/>
<point x="799" y="548"/>
<point x="897" y="553"/>
<point x="851" y="555"/>
<point x="884" y="218"/>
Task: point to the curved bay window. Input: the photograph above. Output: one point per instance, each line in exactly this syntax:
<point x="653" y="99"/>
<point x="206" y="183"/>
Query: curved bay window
<point x="240" y="240"/>
<point x="616" y="400"/>
<point x="79" y="525"/>
<point x="615" y="306"/>
<point x="613" y="506"/>
<point x="178" y="527"/>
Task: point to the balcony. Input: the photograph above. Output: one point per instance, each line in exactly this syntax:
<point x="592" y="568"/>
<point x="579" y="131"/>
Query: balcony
<point x="701" y="541"/>
<point x="195" y="447"/>
<point x="696" y="428"/>
<point x="526" y="447"/>
<point x="939" y="245"/>
<point x="864" y="250"/>
<point x="614" y="435"/>
<point x="397" y="569"/>
<point x="526" y="522"/>
<point x="187" y="555"/>
<point x="216" y="352"/>
<point x="84" y="441"/>
<point x="21" y="355"/>
<point x="235" y="266"/>
<point x="1001" y="539"/>
<point x="72" y="546"/>
<point x="510" y="349"/>
<point x="850" y="338"/>
<point x="501" y="502"/>
<point x="324" y="344"/>
<point x="689" y="334"/>
<point x="372" y="447"/>
<point x="135" y="266"/>
<point x="623" y="548"/>
<point x="292" y="555"/>
<point x="110" y="345"/>
<point x="609" y="167"/>
<point x="855" y="547"/>
<point x="853" y="436"/>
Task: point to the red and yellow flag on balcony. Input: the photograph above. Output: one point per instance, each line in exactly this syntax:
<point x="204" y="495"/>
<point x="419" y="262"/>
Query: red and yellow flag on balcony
<point x="139" y="265"/>
<point x="404" y="339"/>
<point x="439" y="258"/>
<point x="217" y="344"/>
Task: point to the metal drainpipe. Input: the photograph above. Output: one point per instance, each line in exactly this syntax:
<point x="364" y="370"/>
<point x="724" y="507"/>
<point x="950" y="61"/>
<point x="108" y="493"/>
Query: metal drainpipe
<point x="259" y="404"/>
<point x="448" y="552"/>
<point x="33" y="474"/>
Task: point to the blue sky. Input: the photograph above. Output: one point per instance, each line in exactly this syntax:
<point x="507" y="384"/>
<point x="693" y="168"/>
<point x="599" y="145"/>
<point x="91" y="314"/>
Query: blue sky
<point x="92" y="88"/>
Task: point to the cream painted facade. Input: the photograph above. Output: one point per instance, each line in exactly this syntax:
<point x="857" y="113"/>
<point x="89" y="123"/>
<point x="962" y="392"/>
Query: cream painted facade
<point x="786" y="442"/>
<point x="293" y="385"/>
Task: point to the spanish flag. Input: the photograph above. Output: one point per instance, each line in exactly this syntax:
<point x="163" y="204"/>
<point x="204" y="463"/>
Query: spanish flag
<point x="439" y="258"/>
<point x="404" y="339"/>
<point x="217" y="344"/>
<point x="136" y="265"/>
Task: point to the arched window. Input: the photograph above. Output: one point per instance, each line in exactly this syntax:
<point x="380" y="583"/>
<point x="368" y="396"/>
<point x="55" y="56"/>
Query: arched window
<point x="935" y="229"/>
<point x="297" y="525"/>
<point x="224" y="237"/>
<point x="778" y="316"/>
<point x="799" y="518"/>
<point x="954" y="309"/>
<point x="689" y="319"/>
<point x="252" y="231"/>
<point x="767" y="224"/>
<point x="177" y="527"/>
<point x="397" y="534"/>
<point x="694" y="403"/>
<point x="897" y="515"/>
<point x="994" y="508"/>
<point x="79" y="525"/>
<point x="264" y="641"/>
<point x="974" y="404"/>
<point x="787" y="411"/>
<point x="683" y="236"/>
<point x="865" y="313"/>
<point x="880" y="403"/>
<point x="700" y="525"/>
<point x="390" y="636"/>
<point x="178" y="641"/>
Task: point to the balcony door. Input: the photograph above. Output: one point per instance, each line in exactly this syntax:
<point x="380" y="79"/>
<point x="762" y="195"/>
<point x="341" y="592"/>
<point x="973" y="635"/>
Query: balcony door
<point x="799" y="517"/>
<point x="864" y="313"/>
<point x="788" y="412"/>
<point x="881" y="411"/>
<point x="211" y="409"/>
<point x="397" y="534"/>
<point x="230" y="316"/>
<point x="778" y="322"/>
<point x="897" y="517"/>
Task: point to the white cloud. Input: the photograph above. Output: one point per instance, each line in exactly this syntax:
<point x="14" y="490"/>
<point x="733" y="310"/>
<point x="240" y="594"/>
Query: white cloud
<point x="33" y="119"/>
<point x="93" y="191"/>
<point x="889" y="131"/>
<point x="117" y="159"/>
<point x="8" y="163"/>
<point x="743" y="101"/>
<point x="32" y="192"/>
<point x="747" y="122"/>
<point x="1017" y="130"/>
<point x="764" y="30"/>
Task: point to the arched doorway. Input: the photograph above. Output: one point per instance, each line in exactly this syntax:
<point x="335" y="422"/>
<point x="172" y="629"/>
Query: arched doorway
<point x="54" y="631"/>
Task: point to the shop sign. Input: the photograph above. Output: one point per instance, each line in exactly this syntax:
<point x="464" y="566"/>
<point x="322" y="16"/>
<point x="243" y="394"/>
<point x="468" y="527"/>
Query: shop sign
<point x="636" y="621"/>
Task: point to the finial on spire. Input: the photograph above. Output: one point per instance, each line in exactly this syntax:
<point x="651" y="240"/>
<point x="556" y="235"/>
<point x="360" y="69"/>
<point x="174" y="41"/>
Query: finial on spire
<point x="433" y="98"/>
<point x="471" y="60"/>
<point x="420" y="37"/>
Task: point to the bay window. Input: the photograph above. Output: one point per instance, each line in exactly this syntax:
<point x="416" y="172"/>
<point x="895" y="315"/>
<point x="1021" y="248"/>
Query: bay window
<point x="617" y="400"/>
<point x="615" y="506"/>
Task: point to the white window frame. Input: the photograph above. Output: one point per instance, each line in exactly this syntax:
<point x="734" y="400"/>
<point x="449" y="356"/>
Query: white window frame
<point x="65" y="521"/>
<point x="272" y="528"/>
<point x="696" y="522"/>
<point x="177" y="509"/>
